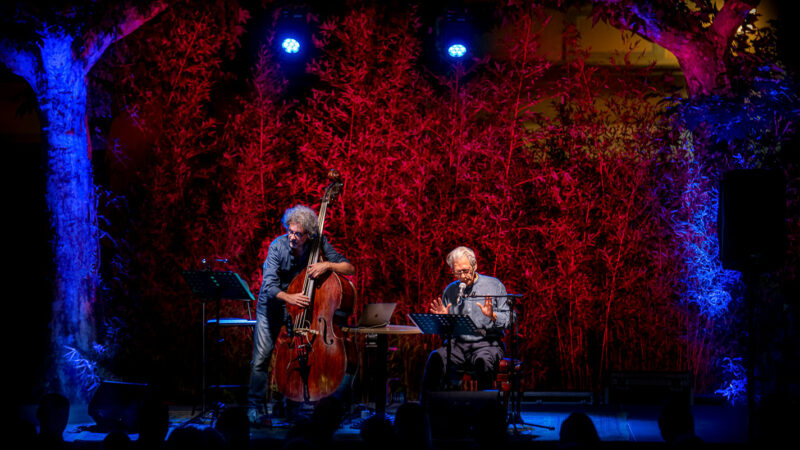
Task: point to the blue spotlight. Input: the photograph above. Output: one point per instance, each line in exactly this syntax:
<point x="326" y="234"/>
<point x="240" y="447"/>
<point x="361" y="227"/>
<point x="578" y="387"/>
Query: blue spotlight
<point x="455" y="36"/>
<point x="457" y="51"/>
<point x="290" y="45"/>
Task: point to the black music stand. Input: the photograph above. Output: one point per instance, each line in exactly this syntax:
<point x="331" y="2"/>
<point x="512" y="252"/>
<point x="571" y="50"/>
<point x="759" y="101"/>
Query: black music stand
<point x="447" y="325"/>
<point x="213" y="286"/>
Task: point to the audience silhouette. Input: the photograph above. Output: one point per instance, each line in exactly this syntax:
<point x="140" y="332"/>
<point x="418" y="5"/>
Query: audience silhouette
<point x="117" y="440"/>
<point x="412" y="427"/>
<point x="325" y="419"/>
<point x="377" y="432"/>
<point x="153" y="425"/>
<point x="235" y="427"/>
<point x="676" y="424"/>
<point x="491" y="426"/>
<point x="578" y="432"/>
<point x="53" y="416"/>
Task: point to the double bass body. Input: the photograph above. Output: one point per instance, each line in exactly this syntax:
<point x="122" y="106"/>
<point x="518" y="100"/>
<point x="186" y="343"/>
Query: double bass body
<point x="311" y="360"/>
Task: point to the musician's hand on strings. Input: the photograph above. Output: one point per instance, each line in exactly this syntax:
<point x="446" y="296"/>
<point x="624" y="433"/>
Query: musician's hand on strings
<point x="319" y="269"/>
<point x="487" y="308"/>
<point x="296" y="299"/>
<point x="437" y="307"/>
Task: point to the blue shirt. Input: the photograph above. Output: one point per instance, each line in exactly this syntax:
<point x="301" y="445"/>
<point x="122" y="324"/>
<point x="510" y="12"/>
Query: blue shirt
<point x="281" y="266"/>
<point x="484" y="285"/>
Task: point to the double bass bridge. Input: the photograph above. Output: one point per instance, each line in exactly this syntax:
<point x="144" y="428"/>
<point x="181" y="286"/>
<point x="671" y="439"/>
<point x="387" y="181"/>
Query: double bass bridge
<point x="305" y="332"/>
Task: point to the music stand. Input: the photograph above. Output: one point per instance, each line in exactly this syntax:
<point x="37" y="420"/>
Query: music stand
<point x="447" y="325"/>
<point x="213" y="286"/>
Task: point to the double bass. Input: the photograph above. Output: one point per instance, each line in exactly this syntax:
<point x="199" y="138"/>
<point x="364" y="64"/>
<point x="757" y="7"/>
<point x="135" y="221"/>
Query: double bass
<point x="311" y="353"/>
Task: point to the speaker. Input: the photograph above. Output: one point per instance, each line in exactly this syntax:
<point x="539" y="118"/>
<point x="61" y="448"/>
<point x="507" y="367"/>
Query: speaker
<point x="751" y="224"/>
<point x="115" y="406"/>
<point x="453" y="413"/>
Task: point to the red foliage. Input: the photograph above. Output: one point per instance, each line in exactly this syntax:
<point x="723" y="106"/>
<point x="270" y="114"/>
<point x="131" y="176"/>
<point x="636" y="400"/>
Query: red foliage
<point x="561" y="178"/>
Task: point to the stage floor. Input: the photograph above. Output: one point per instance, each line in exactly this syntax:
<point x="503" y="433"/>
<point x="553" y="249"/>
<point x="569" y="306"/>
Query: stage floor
<point x="716" y="423"/>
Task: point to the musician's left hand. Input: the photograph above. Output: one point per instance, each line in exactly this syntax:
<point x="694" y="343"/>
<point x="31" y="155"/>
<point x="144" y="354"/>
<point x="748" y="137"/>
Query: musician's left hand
<point x="319" y="269"/>
<point x="487" y="308"/>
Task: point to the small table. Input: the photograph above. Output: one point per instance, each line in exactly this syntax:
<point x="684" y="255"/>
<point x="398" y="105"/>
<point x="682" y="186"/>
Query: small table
<point x="379" y="337"/>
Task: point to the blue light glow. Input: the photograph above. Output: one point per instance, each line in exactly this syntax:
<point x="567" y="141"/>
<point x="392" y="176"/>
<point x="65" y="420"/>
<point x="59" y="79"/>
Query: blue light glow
<point x="457" y="50"/>
<point x="290" y="45"/>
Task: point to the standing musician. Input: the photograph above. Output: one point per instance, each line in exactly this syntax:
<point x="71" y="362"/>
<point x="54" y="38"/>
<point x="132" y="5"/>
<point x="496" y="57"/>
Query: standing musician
<point x="288" y="255"/>
<point x="491" y="315"/>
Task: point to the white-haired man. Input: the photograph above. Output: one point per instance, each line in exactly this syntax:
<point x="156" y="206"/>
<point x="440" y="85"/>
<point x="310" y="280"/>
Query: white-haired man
<point x="480" y="298"/>
<point x="288" y="256"/>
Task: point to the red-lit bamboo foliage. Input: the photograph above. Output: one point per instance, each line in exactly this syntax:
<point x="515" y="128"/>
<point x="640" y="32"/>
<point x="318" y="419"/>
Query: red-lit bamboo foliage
<point x="565" y="179"/>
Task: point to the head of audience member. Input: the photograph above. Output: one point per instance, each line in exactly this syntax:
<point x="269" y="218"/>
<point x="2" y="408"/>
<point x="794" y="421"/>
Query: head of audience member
<point x="327" y="417"/>
<point x="412" y="427"/>
<point x="676" y="422"/>
<point x="377" y="432"/>
<point x="212" y="439"/>
<point x="491" y="425"/>
<point x="578" y="432"/>
<point x="235" y="427"/>
<point x="185" y="438"/>
<point x="53" y="416"/>
<point x="116" y="440"/>
<point x="153" y="423"/>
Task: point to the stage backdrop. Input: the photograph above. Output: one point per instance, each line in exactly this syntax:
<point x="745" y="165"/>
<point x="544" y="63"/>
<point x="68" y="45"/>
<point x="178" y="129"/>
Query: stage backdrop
<point x="569" y="180"/>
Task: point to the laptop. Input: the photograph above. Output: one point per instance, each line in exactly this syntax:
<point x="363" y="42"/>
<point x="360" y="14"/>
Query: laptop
<point x="376" y="315"/>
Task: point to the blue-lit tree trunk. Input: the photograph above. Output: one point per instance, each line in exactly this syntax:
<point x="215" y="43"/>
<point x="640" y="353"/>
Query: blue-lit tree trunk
<point x="57" y="72"/>
<point x="71" y="202"/>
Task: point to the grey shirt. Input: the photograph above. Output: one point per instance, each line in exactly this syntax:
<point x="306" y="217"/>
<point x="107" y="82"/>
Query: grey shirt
<point x="484" y="285"/>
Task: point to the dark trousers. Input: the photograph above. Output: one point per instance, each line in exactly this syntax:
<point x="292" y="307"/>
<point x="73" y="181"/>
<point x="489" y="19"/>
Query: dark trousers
<point x="270" y="317"/>
<point x="482" y="357"/>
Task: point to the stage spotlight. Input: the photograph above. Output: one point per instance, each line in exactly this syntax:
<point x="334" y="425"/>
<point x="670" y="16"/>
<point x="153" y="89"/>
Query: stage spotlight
<point x="293" y="36"/>
<point x="455" y="35"/>
<point x="290" y="45"/>
<point x="457" y="51"/>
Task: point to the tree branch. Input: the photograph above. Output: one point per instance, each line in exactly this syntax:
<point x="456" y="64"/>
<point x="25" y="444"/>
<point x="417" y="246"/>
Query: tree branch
<point x="648" y="22"/>
<point x="728" y="21"/>
<point x="98" y="41"/>
<point x="21" y="62"/>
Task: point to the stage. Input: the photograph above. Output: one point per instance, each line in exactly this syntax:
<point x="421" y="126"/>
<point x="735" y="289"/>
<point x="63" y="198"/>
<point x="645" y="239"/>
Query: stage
<point x="633" y="426"/>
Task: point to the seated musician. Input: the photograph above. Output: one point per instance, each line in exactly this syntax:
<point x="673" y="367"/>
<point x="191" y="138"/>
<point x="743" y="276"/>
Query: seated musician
<point x="288" y="256"/>
<point x="481" y="353"/>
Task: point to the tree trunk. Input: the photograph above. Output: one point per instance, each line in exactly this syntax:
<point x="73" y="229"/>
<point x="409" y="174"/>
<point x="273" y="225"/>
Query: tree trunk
<point x="62" y="97"/>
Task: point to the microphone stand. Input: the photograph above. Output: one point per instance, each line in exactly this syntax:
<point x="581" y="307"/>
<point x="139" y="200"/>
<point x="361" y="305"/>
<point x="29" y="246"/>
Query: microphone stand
<point x="515" y="416"/>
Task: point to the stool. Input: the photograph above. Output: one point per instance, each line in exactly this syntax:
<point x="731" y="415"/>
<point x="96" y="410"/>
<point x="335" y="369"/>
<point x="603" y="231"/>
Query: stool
<point x="506" y="378"/>
<point x="219" y="323"/>
<point x="502" y="381"/>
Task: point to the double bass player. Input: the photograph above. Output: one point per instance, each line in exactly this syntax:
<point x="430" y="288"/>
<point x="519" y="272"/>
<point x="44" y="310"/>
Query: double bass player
<point x="288" y="255"/>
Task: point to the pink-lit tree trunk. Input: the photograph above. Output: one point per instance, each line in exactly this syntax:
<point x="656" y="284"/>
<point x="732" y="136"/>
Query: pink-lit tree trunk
<point x="58" y="76"/>
<point x="699" y="48"/>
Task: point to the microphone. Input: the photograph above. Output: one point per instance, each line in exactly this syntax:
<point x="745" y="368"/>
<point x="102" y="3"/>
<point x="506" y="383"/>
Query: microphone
<point x="461" y="288"/>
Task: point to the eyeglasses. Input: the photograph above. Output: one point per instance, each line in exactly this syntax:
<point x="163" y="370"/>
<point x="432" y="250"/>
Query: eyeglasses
<point x="459" y="273"/>
<point x="297" y="234"/>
